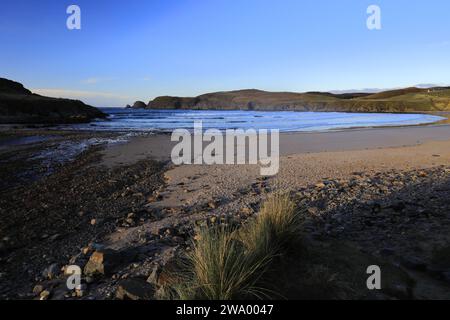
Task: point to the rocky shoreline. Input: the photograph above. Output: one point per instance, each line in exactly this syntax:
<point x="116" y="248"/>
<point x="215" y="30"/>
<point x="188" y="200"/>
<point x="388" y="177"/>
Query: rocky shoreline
<point x="47" y="221"/>
<point x="116" y="225"/>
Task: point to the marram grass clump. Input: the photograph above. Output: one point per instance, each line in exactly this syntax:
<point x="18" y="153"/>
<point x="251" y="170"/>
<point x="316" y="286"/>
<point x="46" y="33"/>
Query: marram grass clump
<point x="229" y="263"/>
<point x="276" y="226"/>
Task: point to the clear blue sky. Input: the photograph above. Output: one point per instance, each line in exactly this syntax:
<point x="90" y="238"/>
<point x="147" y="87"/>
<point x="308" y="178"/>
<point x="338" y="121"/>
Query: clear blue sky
<point x="139" y="49"/>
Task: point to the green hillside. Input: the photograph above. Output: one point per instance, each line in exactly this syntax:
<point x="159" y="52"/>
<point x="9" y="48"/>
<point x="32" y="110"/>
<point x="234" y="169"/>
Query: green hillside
<point x="413" y="99"/>
<point x="401" y="100"/>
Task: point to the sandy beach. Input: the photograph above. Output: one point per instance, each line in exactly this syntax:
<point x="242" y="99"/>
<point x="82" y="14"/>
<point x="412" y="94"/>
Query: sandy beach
<point x="129" y="197"/>
<point x="159" y="146"/>
<point x="306" y="158"/>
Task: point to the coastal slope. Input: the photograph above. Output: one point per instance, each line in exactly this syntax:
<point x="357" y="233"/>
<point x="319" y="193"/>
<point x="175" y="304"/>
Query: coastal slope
<point x="19" y="105"/>
<point x="403" y="100"/>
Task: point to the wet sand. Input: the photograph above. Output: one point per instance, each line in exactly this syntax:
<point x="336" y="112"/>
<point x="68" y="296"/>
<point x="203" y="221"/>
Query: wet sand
<point x="159" y="146"/>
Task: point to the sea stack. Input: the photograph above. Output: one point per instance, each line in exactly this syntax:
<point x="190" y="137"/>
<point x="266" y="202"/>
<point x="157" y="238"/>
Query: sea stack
<point x="139" y="105"/>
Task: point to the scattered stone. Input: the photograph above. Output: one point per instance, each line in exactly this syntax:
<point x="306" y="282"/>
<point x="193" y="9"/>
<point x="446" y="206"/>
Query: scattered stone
<point x="135" y="289"/>
<point x="51" y="271"/>
<point x="168" y="232"/>
<point x="60" y="290"/>
<point x="422" y="174"/>
<point x="103" y="262"/>
<point x="38" y="289"/>
<point x="212" y="205"/>
<point x="313" y="211"/>
<point x="44" y="295"/>
<point x="81" y="291"/>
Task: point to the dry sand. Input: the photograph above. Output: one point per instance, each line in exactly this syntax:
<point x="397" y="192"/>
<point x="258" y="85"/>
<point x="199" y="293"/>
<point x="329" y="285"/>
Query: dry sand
<point x="306" y="158"/>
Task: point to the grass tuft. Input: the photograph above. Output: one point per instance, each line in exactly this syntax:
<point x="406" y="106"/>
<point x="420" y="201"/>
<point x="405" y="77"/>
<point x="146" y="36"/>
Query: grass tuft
<point x="230" y="263"/>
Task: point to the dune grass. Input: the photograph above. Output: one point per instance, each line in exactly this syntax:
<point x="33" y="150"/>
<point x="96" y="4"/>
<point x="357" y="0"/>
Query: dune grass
<point x="231" y="263"/>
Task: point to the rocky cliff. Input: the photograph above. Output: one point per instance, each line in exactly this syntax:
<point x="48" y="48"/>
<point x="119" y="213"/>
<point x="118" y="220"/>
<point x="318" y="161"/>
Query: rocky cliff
<point x="20" y="105"/>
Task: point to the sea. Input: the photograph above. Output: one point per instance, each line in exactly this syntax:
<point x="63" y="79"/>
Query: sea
<point x="143" y="120"/>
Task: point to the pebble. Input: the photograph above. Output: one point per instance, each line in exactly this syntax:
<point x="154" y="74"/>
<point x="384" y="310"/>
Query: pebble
<point x="51" y="271"/>
<point x="212" y="205"/>
<point x="422" y="174"/>
<point x="38" y="289"/>
<point x="80" y="292"/>
<point x="44" y="295"/>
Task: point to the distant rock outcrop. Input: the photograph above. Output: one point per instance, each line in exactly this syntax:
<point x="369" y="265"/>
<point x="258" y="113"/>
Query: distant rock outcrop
<point x="19" y="105"/>
<point x="139" y="105"/>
